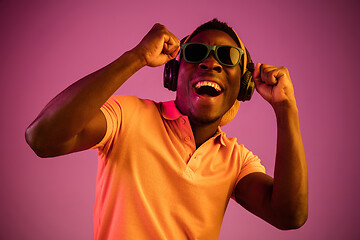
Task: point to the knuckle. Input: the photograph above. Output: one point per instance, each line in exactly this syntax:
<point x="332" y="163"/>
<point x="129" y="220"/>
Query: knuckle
<point x="159" y="27"/>
<point x="284" y="70"/>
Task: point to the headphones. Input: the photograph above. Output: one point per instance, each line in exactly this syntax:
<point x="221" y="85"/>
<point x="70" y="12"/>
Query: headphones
<point x="247" y="84"/>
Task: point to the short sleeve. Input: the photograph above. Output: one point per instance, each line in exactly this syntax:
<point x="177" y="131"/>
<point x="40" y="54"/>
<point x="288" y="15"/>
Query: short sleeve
<point x="250" y="163"/>
<point x="112" y="112"/>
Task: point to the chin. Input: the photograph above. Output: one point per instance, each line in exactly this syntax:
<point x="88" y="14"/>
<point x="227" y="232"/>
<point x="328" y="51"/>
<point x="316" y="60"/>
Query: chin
<point x="205" y="119"/>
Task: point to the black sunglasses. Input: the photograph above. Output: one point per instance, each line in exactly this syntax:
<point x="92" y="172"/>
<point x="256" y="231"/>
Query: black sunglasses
<point x="226" y="55"/>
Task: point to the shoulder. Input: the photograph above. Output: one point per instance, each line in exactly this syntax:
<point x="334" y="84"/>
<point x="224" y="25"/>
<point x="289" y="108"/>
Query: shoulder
<point x="242" y="153"/>
<point x="130" y="103"/>
<point x="130" y="99"/>
<point x="231" y="143"/>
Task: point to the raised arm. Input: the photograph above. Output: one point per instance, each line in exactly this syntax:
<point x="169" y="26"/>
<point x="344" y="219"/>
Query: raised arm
<point x="283" y="200"/>
<point x="72" y="121"/>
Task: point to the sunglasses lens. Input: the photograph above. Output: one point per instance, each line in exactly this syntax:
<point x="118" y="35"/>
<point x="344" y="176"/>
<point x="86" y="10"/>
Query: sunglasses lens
<point x="228" y="55"/>
<point x="195" y="52"/>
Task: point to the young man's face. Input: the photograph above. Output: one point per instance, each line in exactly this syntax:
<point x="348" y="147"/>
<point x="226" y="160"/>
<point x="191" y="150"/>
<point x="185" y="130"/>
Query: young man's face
<point x="204" y="105"/>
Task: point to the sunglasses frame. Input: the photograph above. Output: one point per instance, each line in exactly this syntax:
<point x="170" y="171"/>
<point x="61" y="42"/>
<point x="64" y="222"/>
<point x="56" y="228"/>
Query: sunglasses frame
<point x="209" y="49"/>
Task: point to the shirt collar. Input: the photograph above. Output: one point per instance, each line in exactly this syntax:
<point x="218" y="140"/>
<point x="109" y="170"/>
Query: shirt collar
<point x="169" y="111"/>
<point x="220" y="136"/>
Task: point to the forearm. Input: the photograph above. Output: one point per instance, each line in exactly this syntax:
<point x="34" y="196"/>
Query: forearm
<point x="290" y="190"/>
<point x="283" y="200"/>
<point x="69" y="112"/>
<point x="72" y="121"/>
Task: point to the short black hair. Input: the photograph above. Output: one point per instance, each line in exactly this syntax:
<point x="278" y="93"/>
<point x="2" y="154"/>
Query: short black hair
<point x="215" y="24"/>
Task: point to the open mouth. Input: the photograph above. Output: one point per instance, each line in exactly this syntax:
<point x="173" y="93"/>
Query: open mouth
<point x="206" y="88"/>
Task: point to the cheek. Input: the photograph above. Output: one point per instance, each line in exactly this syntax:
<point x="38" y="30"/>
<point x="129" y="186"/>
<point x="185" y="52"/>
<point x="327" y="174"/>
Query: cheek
<point x="180" y="83"/>
<point x="184" y="76"/>
<point x="235" y="79"/>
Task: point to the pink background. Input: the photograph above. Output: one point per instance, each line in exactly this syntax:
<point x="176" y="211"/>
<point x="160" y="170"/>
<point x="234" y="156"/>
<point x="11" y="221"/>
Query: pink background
<point x="47" y="45"/>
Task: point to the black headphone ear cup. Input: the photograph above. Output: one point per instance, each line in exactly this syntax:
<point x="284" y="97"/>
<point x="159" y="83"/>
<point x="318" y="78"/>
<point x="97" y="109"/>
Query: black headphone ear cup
<point x="171" y="70"/>
<point x="247" y="87"/>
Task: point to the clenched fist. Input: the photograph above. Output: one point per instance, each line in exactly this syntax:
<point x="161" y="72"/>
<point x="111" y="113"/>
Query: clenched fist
<point x="158" y="46"/>
<point x="274" y="84"/>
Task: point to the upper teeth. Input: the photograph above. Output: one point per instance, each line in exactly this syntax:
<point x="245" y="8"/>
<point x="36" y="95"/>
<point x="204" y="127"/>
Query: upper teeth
<point x="209" y="84"/>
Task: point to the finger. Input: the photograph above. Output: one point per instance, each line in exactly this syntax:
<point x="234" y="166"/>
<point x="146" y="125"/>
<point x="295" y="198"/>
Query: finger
<point x="170" y="38"/>
<point x="171" y="50"/>
<point x="175" y="53"/>
<point x="269" y="74"/>
<point x="260" y="86"/>
<point x="281" y="72"/>
<point x="161" y="34"/>
<point x="256" y="73"/>
<point x="170" y="47"/>
<point x="171" y="44"/>
<point x="173" y="40"/>
<point x="259" y="82"/>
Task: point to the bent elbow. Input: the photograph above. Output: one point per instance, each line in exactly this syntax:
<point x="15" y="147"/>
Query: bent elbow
<point x="33" y="140"/>
<point x="293" y="222"/>
<point x="300" y="221"/>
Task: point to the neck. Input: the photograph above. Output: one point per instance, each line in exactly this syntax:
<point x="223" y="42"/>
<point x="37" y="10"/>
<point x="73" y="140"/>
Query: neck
<point x="203" y="132"/>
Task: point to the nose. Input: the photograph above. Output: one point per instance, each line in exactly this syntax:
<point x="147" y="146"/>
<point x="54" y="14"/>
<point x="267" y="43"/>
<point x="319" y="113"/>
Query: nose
<point x="211" y="63"/>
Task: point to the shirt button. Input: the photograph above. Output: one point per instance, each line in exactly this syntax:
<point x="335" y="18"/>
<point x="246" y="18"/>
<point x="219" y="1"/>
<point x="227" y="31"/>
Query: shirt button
<point x="183" y="121"/>
<point x="187" y="138"/>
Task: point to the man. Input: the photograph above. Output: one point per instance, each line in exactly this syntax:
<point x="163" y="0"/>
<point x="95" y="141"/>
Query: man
<point x="166" y="170"/>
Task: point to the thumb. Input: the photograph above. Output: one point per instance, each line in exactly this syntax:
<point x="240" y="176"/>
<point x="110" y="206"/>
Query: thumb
<point x="171" y="50"/>
<point x="257" y="74"/>
<point x="175" y="53"/>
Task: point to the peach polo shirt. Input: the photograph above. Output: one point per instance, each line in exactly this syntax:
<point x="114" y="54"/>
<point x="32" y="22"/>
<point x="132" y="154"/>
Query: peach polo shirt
<point x="152" y="182"/>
